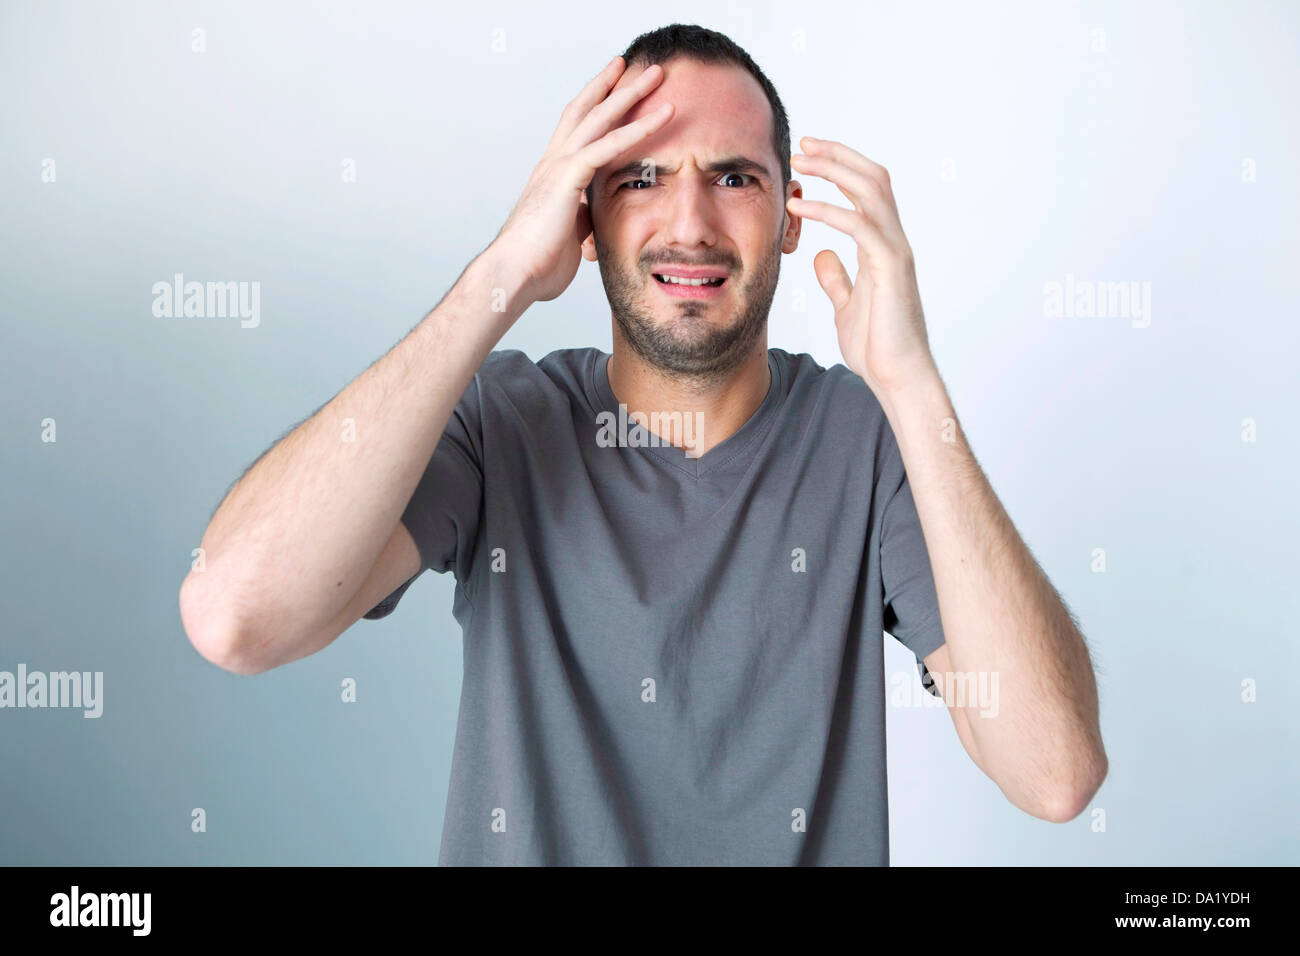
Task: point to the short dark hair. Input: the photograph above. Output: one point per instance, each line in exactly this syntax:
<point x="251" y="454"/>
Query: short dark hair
<point x="709" y="46"/>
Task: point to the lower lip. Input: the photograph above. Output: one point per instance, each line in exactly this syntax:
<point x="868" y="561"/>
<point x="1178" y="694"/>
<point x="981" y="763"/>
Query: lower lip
<point x="690" y="291"/>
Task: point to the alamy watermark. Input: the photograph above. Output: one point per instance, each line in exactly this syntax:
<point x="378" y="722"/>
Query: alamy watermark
<point x="973" y="689"/>
<point x="683" y="430"/>
<point x="1098" y="300"/>
<point x="37" y="689"/>
<point x="208" y="300"/>
<point x="102" y="909"/>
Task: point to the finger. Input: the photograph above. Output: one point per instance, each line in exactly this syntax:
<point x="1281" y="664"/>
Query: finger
<point x="867" y="195"/>
<point x="584" y="163"/>
<point x="871" y="241"/>
<point x="833" y="277"/>
<point x="601" y="119"/>
<point x="849" y="157"/>
<point x="597" y="89"/>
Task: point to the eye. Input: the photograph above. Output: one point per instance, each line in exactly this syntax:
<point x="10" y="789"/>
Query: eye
<point x="632" y="184"/>
<point x="744" y="175"/>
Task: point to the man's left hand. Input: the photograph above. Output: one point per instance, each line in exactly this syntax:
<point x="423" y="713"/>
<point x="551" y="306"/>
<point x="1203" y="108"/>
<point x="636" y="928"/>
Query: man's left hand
<point x="878" y="316"/>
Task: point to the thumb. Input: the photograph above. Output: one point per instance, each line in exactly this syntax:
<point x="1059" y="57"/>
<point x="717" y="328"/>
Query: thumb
<point x="833" y="278"/>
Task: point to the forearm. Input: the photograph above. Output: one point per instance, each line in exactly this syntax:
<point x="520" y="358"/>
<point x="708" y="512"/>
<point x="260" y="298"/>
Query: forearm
<point x="1000" y="614"/>
<point x="295" y="538"/>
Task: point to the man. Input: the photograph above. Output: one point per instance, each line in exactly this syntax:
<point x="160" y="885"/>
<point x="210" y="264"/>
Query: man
<point x="674" y="563"/>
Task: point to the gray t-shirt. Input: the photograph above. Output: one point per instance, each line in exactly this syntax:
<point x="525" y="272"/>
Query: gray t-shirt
<point x="670" y="660"/>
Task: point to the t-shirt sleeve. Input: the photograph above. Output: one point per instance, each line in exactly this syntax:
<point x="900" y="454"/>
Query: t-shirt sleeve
<point x="911" y="603"/>
<point x="444" y="511"/>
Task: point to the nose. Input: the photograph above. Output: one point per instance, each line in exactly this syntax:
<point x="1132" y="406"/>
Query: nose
<point x="689" y="214"/>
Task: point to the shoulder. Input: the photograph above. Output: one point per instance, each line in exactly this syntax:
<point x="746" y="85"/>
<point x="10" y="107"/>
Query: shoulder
<point x="509" y="383"/>
<point x="507" y="369"/>
<point x="834" y="412"/>
<point x="833" y="390"/>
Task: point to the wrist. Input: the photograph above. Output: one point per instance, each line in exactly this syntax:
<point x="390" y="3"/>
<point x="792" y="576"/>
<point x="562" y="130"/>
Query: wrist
<point x="479" y="308"/>
<point x="497" y="275"/>
<point x="919" y="398"/>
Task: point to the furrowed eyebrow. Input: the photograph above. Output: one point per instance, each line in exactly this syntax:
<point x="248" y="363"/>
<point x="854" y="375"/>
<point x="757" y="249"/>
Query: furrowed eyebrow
<point x="728" y="164"/>
<point x="739" y="164"/>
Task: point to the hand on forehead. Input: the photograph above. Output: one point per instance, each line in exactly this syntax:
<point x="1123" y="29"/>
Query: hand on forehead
<point x="701" y="93"/>
<point x="652" y="100"/>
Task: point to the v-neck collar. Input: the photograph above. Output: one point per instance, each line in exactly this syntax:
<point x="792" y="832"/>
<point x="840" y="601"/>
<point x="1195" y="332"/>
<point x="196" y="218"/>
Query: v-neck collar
<point x="648" y="442"/>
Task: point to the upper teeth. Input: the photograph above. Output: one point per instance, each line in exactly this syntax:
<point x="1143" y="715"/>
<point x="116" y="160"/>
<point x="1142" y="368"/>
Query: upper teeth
<point x="678" y="280"/>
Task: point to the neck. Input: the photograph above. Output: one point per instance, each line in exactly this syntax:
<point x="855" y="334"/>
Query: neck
<point x="720" y="405"/>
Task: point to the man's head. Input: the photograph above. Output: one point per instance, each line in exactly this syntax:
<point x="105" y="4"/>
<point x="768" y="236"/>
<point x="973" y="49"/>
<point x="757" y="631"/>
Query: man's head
<point x="707" y="191"/>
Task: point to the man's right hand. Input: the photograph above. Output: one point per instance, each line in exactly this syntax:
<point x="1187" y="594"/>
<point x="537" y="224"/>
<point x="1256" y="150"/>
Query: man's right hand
<point x="543" y="236"/>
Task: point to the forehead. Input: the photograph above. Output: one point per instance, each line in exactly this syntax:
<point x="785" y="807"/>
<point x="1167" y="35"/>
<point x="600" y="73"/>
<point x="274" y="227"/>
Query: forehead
<point x="719" y="110"/>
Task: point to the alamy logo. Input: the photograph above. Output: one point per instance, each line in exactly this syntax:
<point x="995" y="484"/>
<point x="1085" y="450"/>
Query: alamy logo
<point x="966" y="689"/>
<point x="674" y="429"/>
<point x="208" y="300"/>
<point x="1098" y="300"/>
<point x="56" y="689"/>
<point x="102" y="909"/>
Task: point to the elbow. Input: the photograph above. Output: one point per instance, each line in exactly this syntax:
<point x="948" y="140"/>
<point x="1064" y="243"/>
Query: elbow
<point x="1065" y="803"/>
<point x="213" y="631"/>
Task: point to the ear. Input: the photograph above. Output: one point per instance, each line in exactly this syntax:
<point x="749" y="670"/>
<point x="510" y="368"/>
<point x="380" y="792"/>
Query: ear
<point x="793" y="223"/>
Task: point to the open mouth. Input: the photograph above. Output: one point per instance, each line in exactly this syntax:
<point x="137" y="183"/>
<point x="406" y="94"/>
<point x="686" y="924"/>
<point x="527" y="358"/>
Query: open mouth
<point x="688" y="283"/>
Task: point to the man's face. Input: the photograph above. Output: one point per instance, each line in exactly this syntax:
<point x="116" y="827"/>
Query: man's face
<point x="700" y="206"/>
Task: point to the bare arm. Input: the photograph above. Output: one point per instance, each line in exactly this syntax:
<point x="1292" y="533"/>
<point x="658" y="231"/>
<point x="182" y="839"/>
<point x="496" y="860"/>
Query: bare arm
<point x="310" y="538"/>
<point x="296" y="538"/>
<point x="1000" y="614"/>
<point x="1038" y="737"/>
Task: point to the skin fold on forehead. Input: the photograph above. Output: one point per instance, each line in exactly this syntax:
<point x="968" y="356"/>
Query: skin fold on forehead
<point x="719" y="110"/>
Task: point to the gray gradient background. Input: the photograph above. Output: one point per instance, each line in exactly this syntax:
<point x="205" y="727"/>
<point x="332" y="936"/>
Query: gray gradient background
<point x="1116" y="165"/>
